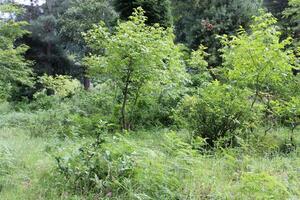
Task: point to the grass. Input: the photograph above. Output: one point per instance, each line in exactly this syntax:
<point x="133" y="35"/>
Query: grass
<point x="29" y="161"/>
<point x="165" y="167"/>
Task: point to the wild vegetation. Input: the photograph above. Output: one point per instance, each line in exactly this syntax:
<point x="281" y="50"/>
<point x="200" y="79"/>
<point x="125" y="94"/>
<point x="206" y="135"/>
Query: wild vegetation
<point x="116" y="99"/>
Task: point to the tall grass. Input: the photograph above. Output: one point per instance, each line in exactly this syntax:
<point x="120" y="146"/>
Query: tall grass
<point x="157" y="164"/>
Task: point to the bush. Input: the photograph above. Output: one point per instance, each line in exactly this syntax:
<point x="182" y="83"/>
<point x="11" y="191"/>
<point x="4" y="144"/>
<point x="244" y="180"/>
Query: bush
<point x="96" y="167"/>
<point x="215" y="111"/>
<point x="128" y="167"/>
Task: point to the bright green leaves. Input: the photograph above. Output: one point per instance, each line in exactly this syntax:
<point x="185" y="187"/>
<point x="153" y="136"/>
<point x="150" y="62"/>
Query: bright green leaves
<point x="258" y="59"/>
<point x="136" y="57"/>
<point x="14" y="68"/>
<point x="261" y="61"/>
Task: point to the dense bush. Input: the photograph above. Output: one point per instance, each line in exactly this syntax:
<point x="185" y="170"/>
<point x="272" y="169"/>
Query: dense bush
<point x="216" y="111"/>
<point x="120" y="167"/>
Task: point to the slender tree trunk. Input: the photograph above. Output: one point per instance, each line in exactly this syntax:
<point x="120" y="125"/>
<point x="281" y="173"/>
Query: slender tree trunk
<point x="124" y="122"/>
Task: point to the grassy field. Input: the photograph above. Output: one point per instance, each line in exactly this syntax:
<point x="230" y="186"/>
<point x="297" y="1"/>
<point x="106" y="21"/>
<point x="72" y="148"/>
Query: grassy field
<point x="166" y="166"/>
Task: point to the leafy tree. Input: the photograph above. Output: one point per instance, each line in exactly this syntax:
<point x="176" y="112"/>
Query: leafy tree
<point x="157" y="11"/>
<point x="292" y="13"/>
<point x="79" y="17"/>
<point x="45" y="43"/>
<point x="14" y="68"/>
<point x="136" y="58"/>
<point x="259" y="60"/>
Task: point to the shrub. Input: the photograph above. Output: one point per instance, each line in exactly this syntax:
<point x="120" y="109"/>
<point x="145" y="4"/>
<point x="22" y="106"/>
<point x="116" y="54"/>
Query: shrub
<point x="216" y="111"/>
<point x="61" y="86"/>
<point x="128" y="167"/>
<point x="97" y="167"/>
<point x="288" y="112"/>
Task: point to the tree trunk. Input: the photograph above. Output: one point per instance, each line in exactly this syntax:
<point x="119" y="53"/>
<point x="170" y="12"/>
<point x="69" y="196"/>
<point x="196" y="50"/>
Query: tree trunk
<point x="86" y="83"/>
<point x="124" y="122"/>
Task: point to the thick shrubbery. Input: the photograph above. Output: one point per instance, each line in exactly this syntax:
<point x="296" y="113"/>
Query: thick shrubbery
<point x="120" y="167"/>
<point x="216" y="111"/>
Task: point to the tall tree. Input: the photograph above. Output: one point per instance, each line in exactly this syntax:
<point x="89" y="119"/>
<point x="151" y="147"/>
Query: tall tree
<point x="79" y="17"/>
<point x="292" y="13"/>
<point x="276" y="6"/>
<point x="45" y="44"/>
<point x="199" y="22"/>
<point x="157" y="11"/>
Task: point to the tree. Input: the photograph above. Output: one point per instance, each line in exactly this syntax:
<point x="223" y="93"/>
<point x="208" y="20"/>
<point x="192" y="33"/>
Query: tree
<point x="45" y="43"/>
<point x="260" y="61"/>
<point x="79" y="17"/>
<point x="14" y="68"/>
<point x="292" y="12"/>
<point x="259" y="58"/>
<point x="276" y="7"/>
<point x="199" y="22"/>
<point x="157" y="11"/>
<point x="136" y="58"/>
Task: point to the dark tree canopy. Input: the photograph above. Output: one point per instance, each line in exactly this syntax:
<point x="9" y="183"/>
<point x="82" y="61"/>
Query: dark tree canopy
<point x="157" y="11"/>
<point x="199" y="22"/>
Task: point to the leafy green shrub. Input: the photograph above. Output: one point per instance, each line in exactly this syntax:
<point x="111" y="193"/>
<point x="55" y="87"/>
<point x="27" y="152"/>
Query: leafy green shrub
<point x="215" y="112"/>
<point x="288" y="112"/>
<point x="97" y="167"/>
<point x="125" y="167"/>
<point x="259" y="59"/>
<point x="261" y="186"/>
<point x="62" y="86"/>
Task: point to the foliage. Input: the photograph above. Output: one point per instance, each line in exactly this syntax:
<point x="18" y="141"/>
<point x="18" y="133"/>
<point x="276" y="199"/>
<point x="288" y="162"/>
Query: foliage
<point x="216" y="111"/>
<point x="79" y="17"/>
<point x="292" y="13"/>
<point x="198" y="67"/>
<point x="121" y="58"/>
<point x="96" y="167"/>
<point x="288" y="112"/>
<point x="14" y="68"/>
<point x="259" y="60"/>
<point x="157" y="11"/>
<point x="124" y="168"/>
<point x="199" y="22"/>
<point x="62" y="86"/>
